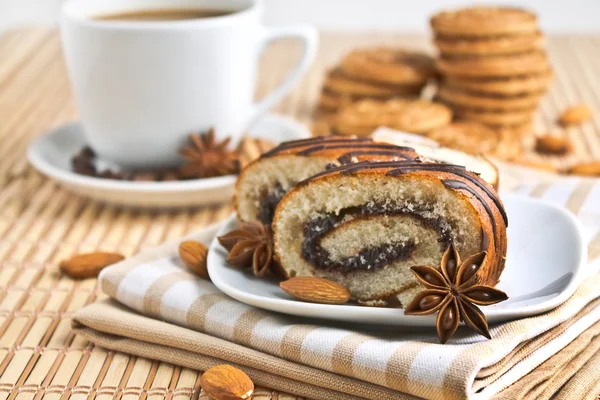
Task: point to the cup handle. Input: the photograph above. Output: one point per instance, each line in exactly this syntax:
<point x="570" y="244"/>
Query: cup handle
<point x="310" y="39"/>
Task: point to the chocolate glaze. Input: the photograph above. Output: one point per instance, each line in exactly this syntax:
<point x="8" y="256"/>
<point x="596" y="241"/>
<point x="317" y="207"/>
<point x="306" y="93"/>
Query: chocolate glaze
<point x="485" y="239"/>
<point x="492" y="195"/>
<point x="407" y="165"/>
<point x="353" y="145"/>
<point x="318" y="140"/>
<point x="350" y="168"/>
<point x="460" y="185"/>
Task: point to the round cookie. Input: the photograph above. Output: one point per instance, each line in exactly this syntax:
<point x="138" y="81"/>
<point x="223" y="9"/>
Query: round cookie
<point x="504" y="86"/>
<point x="415" y="116"/>
<point x="484" y="21"/>
<point x="390" y="66"/>
<point x="460" y="98"/>
<point x="337" y="82"/>
<point x="495" y="66"/>
<point x="468" y="136"/>
<point x="494" y="118"/>
<point x="487" y="46"/>
<point x="330" y="102"/>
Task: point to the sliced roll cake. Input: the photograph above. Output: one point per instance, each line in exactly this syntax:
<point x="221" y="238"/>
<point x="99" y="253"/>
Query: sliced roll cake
<point x="265" y="181"/>
<point x="364" y="225"/>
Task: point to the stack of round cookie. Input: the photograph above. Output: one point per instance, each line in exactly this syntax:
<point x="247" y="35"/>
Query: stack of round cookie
<point x="375" y="73"/>
<point x="494" y="67"/>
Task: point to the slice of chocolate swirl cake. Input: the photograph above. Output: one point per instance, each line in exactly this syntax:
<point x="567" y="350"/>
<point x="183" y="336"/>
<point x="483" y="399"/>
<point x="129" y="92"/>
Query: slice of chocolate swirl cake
<point x="265" y="181"/>
<point x="365" y="224"/>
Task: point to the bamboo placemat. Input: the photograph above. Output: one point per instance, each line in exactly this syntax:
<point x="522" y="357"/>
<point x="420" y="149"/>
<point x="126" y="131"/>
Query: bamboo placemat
<point x="41" y="224"/>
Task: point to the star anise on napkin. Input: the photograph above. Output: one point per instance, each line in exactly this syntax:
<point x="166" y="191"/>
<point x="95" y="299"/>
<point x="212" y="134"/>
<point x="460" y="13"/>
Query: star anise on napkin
<point x="206" y="157"/>
<point x="251" y="245"/>
<point x="454" y="293"/>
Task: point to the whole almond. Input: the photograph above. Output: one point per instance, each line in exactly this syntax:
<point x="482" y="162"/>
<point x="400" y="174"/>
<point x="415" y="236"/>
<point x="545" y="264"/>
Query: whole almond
<point x="575" y="115"/>
<point x="89" y="265"/>
<point x="193" y="254"/>
<point x="316" y="290"/>
<point x="585" y="169"/>
<point x="224" y="382"/>
<point x="556" y="145"/>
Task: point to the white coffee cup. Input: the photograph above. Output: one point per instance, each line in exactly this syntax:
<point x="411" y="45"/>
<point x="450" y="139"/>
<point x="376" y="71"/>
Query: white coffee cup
<point x="142" y="86"/>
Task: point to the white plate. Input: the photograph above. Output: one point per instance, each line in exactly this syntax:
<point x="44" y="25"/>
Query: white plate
<point x="545" y="262"/>
<point x="51" y="155"/>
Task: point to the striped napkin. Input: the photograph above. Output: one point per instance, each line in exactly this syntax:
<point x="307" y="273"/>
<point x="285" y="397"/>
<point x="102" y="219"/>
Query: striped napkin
<point x="159" y="310"/>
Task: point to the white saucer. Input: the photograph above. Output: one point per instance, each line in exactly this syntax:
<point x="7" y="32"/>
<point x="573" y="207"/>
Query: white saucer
<point x="51" y="155"/>
<point x="545" y="263"/>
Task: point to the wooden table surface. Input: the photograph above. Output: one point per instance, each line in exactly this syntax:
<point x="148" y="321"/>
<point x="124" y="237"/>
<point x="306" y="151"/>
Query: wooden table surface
<point x="41" y="223"/>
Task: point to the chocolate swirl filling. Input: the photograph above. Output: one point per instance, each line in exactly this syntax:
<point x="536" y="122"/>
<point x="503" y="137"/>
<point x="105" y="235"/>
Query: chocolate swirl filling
<point x="371" y="258"/>
<point x="268" y="203"/>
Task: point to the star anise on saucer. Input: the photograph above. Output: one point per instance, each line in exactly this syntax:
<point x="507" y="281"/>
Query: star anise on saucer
<point x="83" y="162"/>
<point x="205" y="157"/>
<point x="250" y="245"/>
<point x="454" y="291"/>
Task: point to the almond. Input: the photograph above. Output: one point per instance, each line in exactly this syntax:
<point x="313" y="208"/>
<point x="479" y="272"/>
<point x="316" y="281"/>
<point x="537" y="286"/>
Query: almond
<point x="575" y="115"/>
<point x="224" y="382"/>
<point x="316" y="290"/>
<point x="193" y="254"/>
<point x="585" y="169"/>
<point x="89" y="265"/>
<point x="556" y="145"/>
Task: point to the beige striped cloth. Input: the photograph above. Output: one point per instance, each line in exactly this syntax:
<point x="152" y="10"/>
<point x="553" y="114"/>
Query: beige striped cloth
<point x="159" y="310"/>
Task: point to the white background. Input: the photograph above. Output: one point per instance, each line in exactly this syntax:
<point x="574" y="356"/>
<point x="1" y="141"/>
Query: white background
<point x="556" y="16"/>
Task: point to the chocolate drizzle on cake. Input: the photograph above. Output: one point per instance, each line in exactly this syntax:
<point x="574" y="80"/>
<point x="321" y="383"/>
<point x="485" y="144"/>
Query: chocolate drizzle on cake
<point x="304" y="147"/>
<point x="397" y="150"/>
<point x="319" y="140"/>
<point x="460" y="185"/>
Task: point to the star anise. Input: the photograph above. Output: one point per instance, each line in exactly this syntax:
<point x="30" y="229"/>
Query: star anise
<point x="454" y="293"/>
<point x="251" y="245"/>
<point x="205" y="157"/>
<point x="83" y="162"/>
